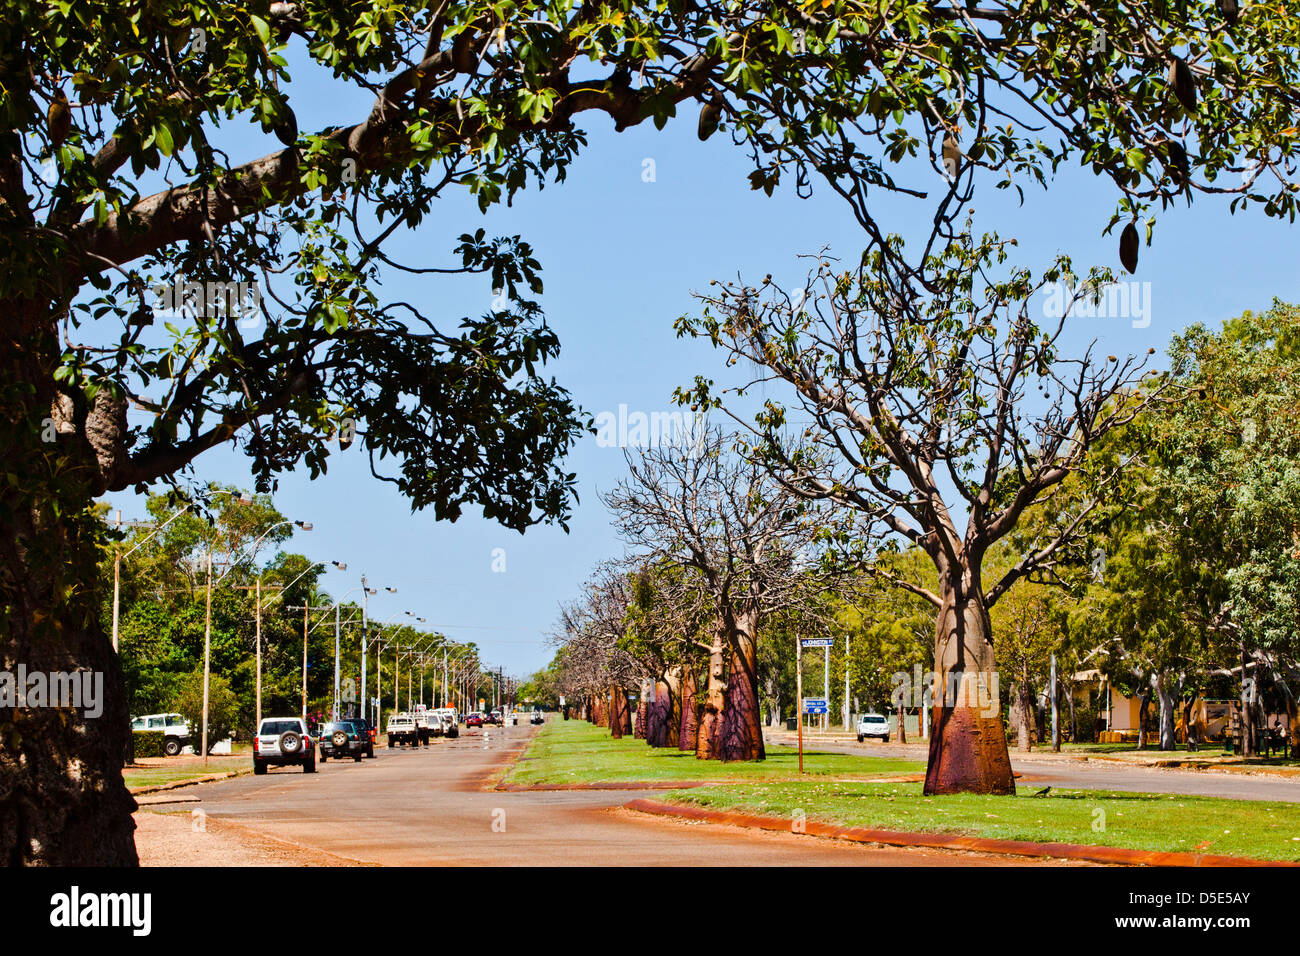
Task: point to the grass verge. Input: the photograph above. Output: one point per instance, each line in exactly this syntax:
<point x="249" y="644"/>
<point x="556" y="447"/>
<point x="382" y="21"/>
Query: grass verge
<point x="576" y="752"/>
<point x="1140" y="821"/>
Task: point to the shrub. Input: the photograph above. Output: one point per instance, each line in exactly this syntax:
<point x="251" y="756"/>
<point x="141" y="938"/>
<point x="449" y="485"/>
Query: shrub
<point x="149" y="743"/>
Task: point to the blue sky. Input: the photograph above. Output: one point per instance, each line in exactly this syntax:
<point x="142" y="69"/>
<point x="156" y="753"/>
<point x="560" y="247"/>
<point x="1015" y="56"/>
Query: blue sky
<point x="621" y="258"/>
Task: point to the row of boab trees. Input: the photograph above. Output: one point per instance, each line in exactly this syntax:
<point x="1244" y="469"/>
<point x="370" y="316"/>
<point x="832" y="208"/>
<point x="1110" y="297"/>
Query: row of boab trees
<point x="714" y="550"/>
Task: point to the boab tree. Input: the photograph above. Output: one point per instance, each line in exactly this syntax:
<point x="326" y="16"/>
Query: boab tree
<point x="119" y="174"/>
<point x="923" y="415"/>
<point x="745" y="542"/>
<point x="596" y="662"/>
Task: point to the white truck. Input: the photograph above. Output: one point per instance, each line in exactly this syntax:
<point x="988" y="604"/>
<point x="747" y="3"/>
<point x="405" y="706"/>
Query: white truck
<point x="401" y="731"/>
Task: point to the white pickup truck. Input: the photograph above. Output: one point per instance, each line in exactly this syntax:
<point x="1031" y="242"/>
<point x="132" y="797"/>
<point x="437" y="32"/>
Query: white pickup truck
<point x="401" y="730"/>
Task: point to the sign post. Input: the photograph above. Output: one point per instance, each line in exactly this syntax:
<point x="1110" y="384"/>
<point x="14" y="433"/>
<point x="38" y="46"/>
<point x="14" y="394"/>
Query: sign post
<point x="798" y="670"/>
<point x="806" y="706"/>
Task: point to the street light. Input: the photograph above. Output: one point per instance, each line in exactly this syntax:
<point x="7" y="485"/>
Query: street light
<point x="366" y="591"/>
<point x="117" y="562"/>
<point x="207" y="620"/>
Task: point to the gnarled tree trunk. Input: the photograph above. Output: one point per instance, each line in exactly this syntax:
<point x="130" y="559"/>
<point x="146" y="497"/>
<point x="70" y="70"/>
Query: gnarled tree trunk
<point x="1020" y="716"/>
<point x="706" y="747"/>
<point x="1168" y="712"/>
<point x="741" y="732"/>
<point x="639" y="726"/>
<point x="689" y="726"/>
<point x="62" y="798"/>
<point x="617" y="708"/>
<point x="968" y="745"/>
<point x="659" y="716"/>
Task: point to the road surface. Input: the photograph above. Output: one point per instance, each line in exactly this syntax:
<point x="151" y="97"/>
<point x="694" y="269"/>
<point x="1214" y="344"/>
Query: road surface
<point x="428" y="807"/>
<point x="1092" y="774"/>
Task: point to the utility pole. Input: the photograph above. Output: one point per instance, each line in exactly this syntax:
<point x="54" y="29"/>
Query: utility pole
<point x="259" y="651"/>
<point x="117" y="578"/>
<point x="365" y="605"/>
<point x="847" y="721"/>
<point x="336" y="662"/>
<point x="207" y="653"/>
<point x="798" y="704"/>
<point x="826" y="687"/>
<point x="1056" y="729"/>
<point x="306" y="610"/>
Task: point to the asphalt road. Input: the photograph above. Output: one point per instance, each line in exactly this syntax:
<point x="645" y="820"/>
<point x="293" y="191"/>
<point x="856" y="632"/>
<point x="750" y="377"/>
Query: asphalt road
<point x="428" y="807"/>
<point x="1095" y="774"/>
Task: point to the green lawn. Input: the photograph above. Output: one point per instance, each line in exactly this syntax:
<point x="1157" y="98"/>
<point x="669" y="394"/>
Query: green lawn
<point x="189" y="769"/>
<point x="576" y="752"/>
<point x="1142" y="821"/>
<point x="839" y="789"/>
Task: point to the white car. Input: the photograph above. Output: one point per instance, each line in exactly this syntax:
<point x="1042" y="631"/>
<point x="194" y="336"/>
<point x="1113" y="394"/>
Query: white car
<point x="282" y="742"/>
<point x="873" y="725"/>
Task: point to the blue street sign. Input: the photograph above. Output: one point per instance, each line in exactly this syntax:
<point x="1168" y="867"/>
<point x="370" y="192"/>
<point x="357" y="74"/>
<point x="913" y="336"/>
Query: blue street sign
<point x="817" y="641"/>
<point x="815" y="705"/>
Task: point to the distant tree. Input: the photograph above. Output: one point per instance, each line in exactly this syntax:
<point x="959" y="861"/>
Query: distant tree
<point x="223" y="707"/>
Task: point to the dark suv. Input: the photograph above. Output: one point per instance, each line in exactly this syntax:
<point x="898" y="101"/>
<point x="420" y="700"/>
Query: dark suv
<point x="342" y="738"/>
<point x="367" y="733"/>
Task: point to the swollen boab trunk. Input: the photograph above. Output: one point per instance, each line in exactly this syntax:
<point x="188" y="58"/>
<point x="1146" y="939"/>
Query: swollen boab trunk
<point x="62" y="798"/>
<point x="689" y="726"/>
<point x="741" y="731"/>
<point x="617" y="704"/>
<point x="968" y="745"/>
<point x="715" y="691"/>
<point x="659" y="716"/>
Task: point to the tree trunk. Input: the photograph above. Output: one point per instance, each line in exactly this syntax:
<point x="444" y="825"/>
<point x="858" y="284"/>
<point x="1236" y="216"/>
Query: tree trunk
<point x="742" y="725"/>
<point x="617" y="704"/>
<point x="624" y="712"/>
<point x="1168" y="712"/>
<point x="62" y="798"/>
<point x="1292" y="726"/>
<point x="1020" y="716"/>
<point x="639" y="728"/>
<point x="659" y="716"/>
<point x="1144" y="701"/>
<point x="689" y="728"/>
<point x="673" y="716"/>
<point x="1248" y="748"/>
<point x="706" y="747"/>
<point x="968" y="745"/>
<point x="902" y="723"/>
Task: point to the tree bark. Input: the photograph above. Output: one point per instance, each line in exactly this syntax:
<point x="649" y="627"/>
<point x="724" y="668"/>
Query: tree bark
<point x="1168" y="712"/>
<point x="741" y="732"/>
<point x="62" y="798"/>
<point x="673" y="716"/>
<point x="706" y="747"/>
<point x="617" y="704"/>
<point x="659" y="716"/>
<point x="1020" y="716"/>
<point x="689" y="727"/>
<point x="968" y="745"/>
<point x="639" y="728"/>
<point x="624" y="712"/>
<point x="1144" y="702"/>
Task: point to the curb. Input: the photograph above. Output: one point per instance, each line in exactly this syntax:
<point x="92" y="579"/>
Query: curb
<point x="606" y="785"/>
<point x="1120" y="856"/>
<point x="177" y="784"/>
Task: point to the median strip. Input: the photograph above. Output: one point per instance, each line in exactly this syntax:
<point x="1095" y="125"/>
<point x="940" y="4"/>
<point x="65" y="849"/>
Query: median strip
<point x="1122" y="856"/>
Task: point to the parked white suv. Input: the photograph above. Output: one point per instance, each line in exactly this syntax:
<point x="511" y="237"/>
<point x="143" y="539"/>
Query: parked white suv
<point x="174" y="728"/>
<point x="873" y="725"/>
<point x="283" y="742"/>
